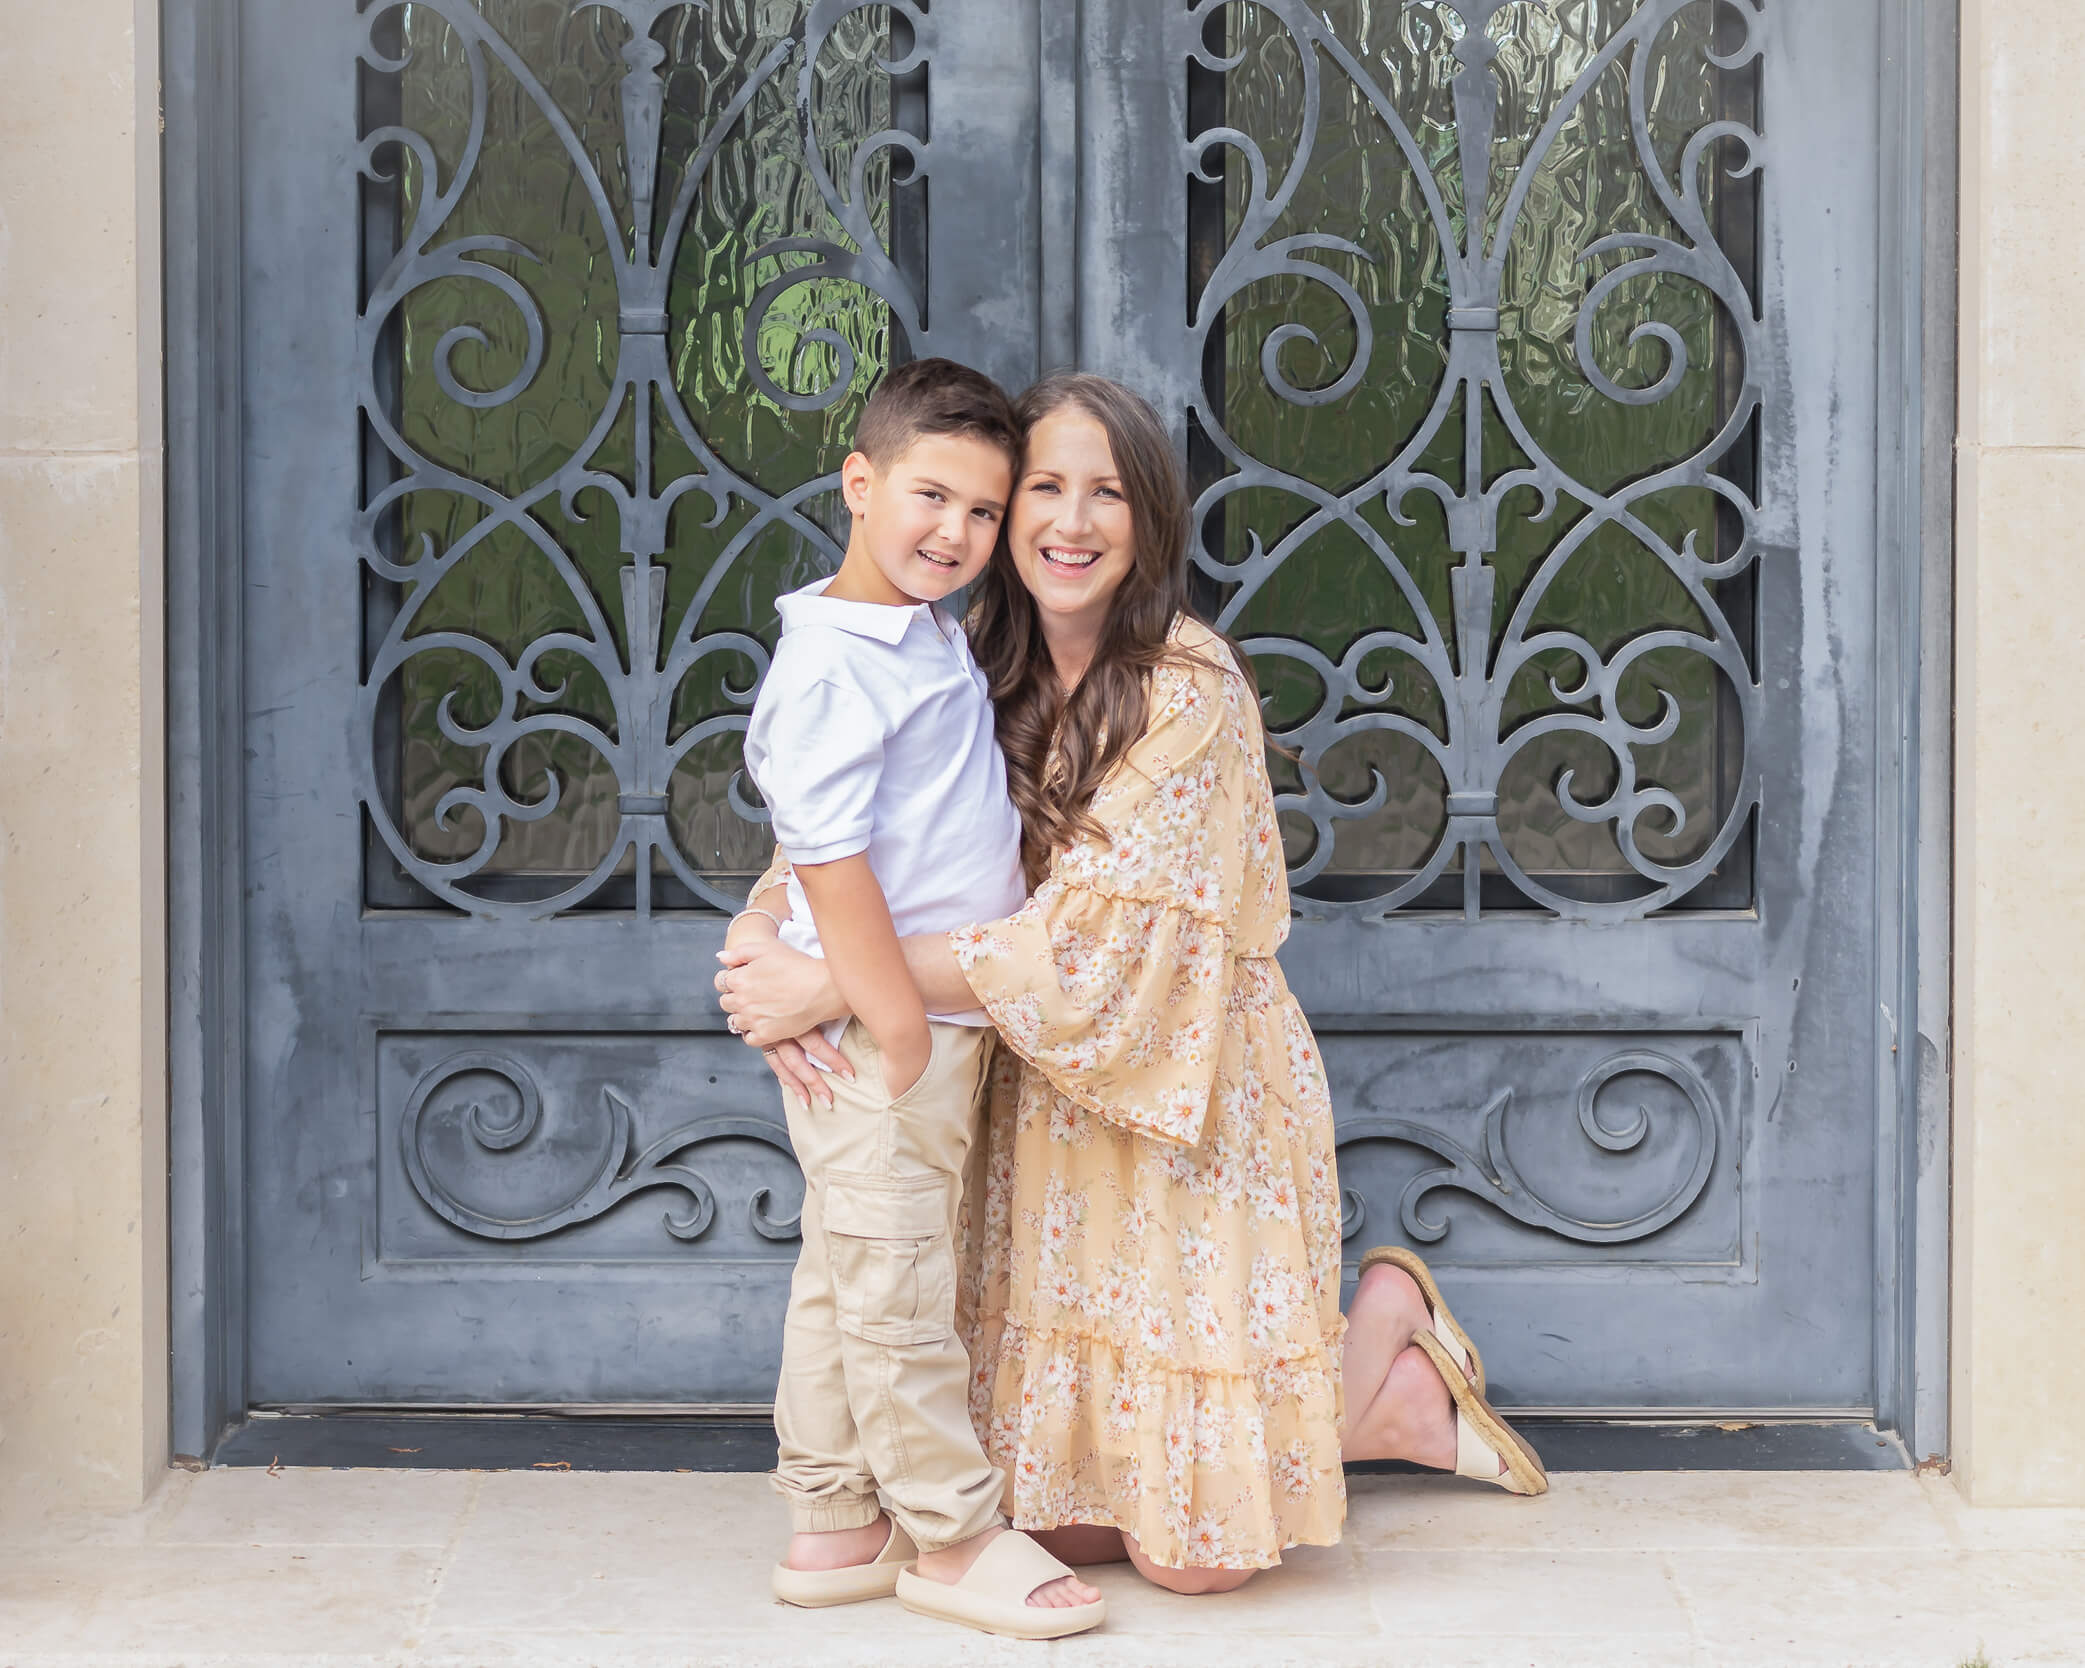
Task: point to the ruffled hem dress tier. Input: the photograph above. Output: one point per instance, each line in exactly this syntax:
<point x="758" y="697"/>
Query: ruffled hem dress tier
<point x="1151" y="1280"/>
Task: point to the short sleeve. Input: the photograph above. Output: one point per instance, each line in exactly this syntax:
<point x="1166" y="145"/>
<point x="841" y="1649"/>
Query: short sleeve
<point x="816" y="754"/>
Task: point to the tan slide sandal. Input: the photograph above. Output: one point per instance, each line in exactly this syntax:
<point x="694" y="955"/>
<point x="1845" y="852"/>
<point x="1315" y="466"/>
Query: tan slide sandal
<point x="993" y="1594"/>
<point x="1483" y="1440"/>
<point x="1445" y="1326"/>
<point x="852" y="1583"/>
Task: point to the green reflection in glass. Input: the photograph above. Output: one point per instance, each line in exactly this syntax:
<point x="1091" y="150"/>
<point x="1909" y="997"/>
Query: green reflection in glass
<point x="526" y="187"/>
<point x="1587" y="184"/>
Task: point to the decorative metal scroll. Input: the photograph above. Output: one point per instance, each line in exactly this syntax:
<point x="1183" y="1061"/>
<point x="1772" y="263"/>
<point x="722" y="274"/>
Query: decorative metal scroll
<point x="1491" y="1175"/>
<point x="620" y="1174"/>
<point x="1469" y="663"/>
<point x="660" y="653"/>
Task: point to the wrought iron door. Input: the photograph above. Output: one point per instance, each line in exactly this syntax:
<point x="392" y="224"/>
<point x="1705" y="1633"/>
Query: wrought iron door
<point x="1523" y="352"/>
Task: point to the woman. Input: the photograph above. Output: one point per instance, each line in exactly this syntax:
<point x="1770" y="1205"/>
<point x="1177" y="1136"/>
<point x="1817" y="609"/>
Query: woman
<point x="1152" y="1288"/>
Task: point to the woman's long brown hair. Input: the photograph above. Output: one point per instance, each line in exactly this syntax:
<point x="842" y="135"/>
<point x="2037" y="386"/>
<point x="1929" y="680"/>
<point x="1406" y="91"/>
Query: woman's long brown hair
<point x="1093" y="727"/>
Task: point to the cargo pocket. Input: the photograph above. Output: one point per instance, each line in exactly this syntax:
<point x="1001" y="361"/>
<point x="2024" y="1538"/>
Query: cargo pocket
<point x="894" y="1263"/>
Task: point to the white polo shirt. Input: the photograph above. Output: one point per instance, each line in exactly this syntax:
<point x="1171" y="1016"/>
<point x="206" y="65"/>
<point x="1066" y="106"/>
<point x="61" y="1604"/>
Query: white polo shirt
<point x="874" y="732"/>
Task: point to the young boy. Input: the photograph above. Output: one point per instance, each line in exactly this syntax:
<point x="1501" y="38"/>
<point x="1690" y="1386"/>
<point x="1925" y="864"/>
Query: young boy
<point x="872" y="742"/>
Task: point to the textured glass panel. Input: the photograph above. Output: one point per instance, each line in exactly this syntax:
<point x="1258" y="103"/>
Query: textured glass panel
<point x="584" y="498"/>
<point x="1388" y="400"/>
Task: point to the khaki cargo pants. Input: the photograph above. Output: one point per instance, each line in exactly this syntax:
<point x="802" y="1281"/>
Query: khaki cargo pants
<point x="875" y="1383"/>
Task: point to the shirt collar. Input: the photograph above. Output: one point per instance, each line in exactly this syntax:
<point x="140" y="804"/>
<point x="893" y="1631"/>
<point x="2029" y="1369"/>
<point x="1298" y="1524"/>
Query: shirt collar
<point x="881" y="621"/>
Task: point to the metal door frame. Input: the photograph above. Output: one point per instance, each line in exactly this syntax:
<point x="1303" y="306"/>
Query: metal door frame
<point x="202" y="183"/>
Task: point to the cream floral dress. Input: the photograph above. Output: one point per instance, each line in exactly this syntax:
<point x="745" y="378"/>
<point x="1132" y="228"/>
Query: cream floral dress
<point x="1151" y="1285"/>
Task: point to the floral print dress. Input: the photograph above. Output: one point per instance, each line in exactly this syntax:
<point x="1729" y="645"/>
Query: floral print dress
<point x="1151" y="1281"/>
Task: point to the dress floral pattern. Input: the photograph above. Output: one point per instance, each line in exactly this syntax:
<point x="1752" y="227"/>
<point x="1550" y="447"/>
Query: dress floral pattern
<point x="1151" y="1280"/>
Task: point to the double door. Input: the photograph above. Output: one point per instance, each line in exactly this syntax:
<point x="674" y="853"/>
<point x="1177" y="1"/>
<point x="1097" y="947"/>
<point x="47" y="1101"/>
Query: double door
<point x="1512" y="347"/>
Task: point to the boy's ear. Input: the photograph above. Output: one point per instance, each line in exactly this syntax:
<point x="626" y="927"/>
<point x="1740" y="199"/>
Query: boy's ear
<point x="857" y="474"/>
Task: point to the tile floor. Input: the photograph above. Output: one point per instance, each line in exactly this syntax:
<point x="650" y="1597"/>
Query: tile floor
<point x="384" y="1569"/>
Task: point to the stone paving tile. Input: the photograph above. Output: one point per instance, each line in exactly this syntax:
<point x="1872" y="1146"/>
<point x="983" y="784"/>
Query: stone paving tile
<point x="2004" y="1528"/>
<point x="1319" y="1591"/>
<point x="48" y="1521"/>
<point x="1594" y="1511"/>
<point x="1856" y="1608"/>
<point x="45" y="1596"/>
<point x="1617" y="1598"/>
<point x="313" y="1507"/>
<point x="191" y="1601"/>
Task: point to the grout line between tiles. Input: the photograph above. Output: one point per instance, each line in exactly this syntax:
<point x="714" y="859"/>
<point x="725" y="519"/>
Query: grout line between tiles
<point x="418" y="1630"/>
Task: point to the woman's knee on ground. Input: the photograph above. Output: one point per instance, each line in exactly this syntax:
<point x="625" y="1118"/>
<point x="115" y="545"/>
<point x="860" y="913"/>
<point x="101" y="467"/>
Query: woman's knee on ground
<point x="1190" y="1583"/>
<point x="1195" y="1583"/>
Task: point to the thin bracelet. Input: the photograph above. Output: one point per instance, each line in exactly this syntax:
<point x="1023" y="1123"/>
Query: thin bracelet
<point x="754" y="909"/>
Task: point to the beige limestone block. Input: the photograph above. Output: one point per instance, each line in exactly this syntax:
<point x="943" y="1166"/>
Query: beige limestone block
<point x="73" y="1251"/>
<point x="68" y="229"/>
<point x="2019" y="1325"/>
<point x="2023" y="222"/>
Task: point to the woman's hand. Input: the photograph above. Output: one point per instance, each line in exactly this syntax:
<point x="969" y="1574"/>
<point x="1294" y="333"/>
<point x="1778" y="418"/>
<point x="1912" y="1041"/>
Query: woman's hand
<point x="756" y="985"/>
<point x="776" y="994"/>
<point x="791" y="1064"/>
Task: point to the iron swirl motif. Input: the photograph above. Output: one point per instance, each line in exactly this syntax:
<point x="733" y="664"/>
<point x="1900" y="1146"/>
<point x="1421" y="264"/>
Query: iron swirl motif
<point x="1490" y="1174"/>
<point x="1470" y="666"/>
<point x="663" y="652"/>
<point x="622" y="1172"/>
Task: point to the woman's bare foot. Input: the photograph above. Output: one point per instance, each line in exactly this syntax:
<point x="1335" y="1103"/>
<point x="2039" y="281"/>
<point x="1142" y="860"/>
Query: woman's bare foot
<point x="838" y="1549"/>
<point x="951" y="1563"/>
<point x="1410" y="1418"/>
<point x="1387" y="1310"/>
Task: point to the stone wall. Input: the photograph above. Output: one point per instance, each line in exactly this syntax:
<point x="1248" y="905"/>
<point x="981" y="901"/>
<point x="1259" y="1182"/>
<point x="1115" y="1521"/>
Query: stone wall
<point x="2018" y="1348"/>
<point x="82" y="1117"/>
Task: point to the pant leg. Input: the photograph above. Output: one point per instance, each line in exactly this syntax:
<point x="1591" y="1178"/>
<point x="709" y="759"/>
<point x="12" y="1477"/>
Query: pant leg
<point x="891" y="1229"/>
<point x="820" y="1468"/>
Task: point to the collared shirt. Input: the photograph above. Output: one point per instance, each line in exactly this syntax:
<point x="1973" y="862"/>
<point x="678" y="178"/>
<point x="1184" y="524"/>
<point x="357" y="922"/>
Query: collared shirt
<point x="874" y="732"/>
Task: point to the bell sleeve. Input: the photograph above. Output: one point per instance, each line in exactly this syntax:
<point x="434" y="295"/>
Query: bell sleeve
<point x="1113" y="979"/>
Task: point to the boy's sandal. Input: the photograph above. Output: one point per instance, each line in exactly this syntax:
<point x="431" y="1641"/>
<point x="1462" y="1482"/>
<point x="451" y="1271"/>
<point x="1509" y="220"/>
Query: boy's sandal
<point x="1486" y="1447"/>
<point x="993" y="1594"/>
<point x="851" y="1584"/>
<point x="1445" y="1327"/>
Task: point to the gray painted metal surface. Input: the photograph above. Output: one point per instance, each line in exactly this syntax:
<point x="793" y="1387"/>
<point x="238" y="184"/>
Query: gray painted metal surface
<point x="506" y="1155"/>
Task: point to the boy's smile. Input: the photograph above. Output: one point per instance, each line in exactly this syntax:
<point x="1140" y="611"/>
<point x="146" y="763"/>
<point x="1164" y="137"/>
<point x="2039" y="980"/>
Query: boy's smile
<point x="924" y="527"/>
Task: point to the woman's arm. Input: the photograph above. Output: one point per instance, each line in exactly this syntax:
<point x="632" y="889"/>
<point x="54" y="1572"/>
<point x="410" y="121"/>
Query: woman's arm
<point x="776" y="992"/>
<point x="791" y="1059"/>
<point x="940" y="977"/>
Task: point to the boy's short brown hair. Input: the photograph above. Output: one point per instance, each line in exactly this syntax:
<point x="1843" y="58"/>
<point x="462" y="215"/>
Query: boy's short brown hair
<point x="935" y="396"/>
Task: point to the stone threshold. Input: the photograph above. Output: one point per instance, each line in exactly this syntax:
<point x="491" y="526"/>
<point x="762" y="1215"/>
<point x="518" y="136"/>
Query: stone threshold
<point x="399" y="1569"/>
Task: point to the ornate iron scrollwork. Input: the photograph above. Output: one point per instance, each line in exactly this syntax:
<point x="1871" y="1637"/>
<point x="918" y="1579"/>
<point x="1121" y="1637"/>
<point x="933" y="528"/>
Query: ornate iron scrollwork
<point x="621" y="1172"/>
<point x="1491" y="1175"/>
<point x="660" y="653"/>
<point x="1468" y="661"/>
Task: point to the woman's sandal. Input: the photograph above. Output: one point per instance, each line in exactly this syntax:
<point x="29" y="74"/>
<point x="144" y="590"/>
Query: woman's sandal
<point x="852" y="1583"/>
<point x="1482" y="1439"/>
<point x="993" y="1594"/>
<point x="1444" y="1324"/>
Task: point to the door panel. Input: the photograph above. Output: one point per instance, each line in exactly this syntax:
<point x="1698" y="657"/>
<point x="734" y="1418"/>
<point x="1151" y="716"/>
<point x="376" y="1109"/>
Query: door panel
<point x="1523" y="355"/>
<point x="558" y="321"/>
